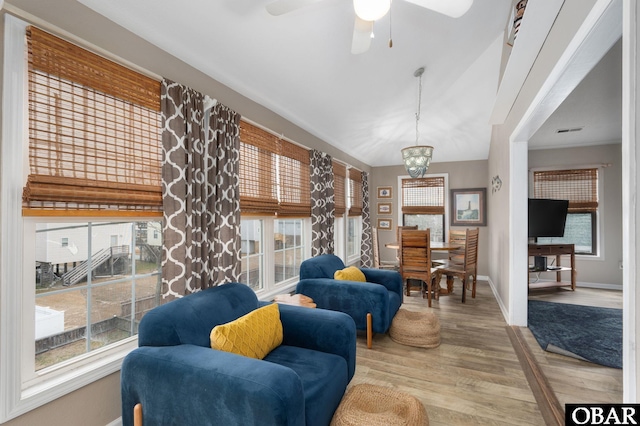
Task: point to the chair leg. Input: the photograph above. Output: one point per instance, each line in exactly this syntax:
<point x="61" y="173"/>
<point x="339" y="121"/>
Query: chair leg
<point x="464" y="289"/>
<point x="137" y="415"/>
<point x="473" y="289"/>
<point x="369" y="331"/>
<point x="429" y="289"/>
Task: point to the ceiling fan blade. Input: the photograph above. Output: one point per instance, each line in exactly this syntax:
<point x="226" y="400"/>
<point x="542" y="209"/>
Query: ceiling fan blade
<point x="452" y="8"/>
<point x="280" y="7"/>
<point x="361" y="36"/>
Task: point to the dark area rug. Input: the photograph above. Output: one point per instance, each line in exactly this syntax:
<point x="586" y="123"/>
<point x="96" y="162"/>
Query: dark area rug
<point x="585" y="332"/>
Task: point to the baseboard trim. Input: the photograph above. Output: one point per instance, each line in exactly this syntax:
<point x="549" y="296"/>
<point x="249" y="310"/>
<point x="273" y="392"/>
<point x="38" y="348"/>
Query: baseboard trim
<point x="600" y="286"/>
<point x="116" y="422"/>
<point x="550" y="408"/>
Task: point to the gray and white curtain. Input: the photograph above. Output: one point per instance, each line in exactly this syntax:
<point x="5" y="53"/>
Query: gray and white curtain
<point x="366" y="246"/>
<point x="200" y="192"/>
<point x="322" y="203"/>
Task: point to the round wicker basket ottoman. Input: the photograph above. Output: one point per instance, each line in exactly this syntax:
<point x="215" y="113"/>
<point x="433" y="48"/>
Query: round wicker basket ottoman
<point x="419" y="329"/>
<point x="371" y="405"/>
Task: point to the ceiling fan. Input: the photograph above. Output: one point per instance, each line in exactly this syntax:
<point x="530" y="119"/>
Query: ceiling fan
<point x="369" y="11"/>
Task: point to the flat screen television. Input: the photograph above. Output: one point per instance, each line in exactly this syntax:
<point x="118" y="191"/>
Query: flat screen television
<point x="547" y="217"/>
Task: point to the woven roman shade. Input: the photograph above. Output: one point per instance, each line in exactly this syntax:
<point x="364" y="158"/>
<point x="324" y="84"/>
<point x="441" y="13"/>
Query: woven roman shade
<point x="339" y="180"/>
<point x="258" y="178"/>
<point x="579" y="186"/>
<point x="94" y="133"/>
<point x="274" y="175"/>
<point x="423" y="195"/>
<point x="295" y="184"/>
<point x="355" y="192"/>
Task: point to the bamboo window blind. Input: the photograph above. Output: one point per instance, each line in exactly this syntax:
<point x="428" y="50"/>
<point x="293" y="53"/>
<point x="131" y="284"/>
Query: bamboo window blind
<point x="423" y="195"/>
<point x="274" y="175"/>
<point x="355" y="192"/>
<point x="94" y="132"/>
<point x="579" y="186"/>
<point x="339" y="179"/>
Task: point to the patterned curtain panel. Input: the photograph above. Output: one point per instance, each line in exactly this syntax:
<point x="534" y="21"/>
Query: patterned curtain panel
<point x="322" y="203"/>
<point x="366" y="249"/>
<point x="224" y="196"/>
<point x="201" y="213"/>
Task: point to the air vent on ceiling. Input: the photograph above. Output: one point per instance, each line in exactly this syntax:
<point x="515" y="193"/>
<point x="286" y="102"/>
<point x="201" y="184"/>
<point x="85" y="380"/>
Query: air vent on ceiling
<point x="574" y="129"/>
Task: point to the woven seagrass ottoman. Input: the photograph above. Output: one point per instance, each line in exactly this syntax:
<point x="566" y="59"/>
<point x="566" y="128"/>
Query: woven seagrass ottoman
<point x="419" y="329"/>
<point x="371" y="405"/>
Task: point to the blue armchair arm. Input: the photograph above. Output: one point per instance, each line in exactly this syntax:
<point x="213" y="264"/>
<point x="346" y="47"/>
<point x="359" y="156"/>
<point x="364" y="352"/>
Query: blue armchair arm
<point x="392" y="280"/>
<point x="351" y="297"/>
<point x="194" y="385"/>
<point x="321" y="330"/>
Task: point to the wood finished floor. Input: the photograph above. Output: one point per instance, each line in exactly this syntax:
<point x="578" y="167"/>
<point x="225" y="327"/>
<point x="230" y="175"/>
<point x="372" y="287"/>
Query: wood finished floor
<point x="474" y="376"/>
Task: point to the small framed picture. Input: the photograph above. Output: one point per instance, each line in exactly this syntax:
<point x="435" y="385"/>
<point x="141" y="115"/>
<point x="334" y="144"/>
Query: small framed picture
<point x="385" y="224"/>
<point x="469" y="207"/>
<point x="384" y="192"/>
<point x="384" y="208"/>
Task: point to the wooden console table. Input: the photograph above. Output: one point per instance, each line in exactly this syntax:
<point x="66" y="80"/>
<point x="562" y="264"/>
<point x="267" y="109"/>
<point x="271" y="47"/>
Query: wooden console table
<point x="557" y="250"/>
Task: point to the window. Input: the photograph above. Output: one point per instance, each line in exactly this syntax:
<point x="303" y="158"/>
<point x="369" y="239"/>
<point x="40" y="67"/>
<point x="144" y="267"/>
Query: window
<point x="90" y="292"/>
<point x="580" y="187"/>
<point x="288" y="249"/>
<point x="424" y="204"/>
<point x="252" y="253"/>
<point x="340" y="200"/>
<point x="275" y="201"/>
<point x="90" y="147"/>
<point x="354" y="219"/>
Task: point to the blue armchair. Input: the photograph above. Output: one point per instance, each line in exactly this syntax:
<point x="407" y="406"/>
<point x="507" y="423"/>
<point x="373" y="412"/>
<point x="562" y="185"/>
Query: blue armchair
<point x="178" y="379"/>
<point x="371" y="304"/>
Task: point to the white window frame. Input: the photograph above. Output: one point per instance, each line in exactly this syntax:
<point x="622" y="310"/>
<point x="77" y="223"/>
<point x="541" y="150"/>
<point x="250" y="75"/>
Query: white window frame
<point x="447" y="201"/>
<point x="272" y="288"/>
<point x="354" y="258"/>
<point x="600" y="214"/>
<point x="23" y="389"/>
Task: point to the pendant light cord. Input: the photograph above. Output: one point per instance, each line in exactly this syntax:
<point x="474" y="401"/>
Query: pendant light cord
<point x="419" y="75"/>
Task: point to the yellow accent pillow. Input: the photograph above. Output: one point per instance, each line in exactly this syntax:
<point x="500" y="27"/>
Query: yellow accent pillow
<point x="252" y="335"/>
<point x="349" y="274"/>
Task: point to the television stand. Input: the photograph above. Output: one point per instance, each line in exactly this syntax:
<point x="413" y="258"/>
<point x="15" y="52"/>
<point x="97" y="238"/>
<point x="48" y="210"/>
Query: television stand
<point x="557" y="250"/>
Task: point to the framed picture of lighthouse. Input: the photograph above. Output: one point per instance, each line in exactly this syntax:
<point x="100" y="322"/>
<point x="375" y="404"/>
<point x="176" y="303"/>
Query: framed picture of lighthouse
<point x="469" y="207"/>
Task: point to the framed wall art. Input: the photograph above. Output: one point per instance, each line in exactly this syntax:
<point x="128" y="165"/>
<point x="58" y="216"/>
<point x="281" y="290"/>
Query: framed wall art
<point x="469" y="207"/>
<point x="384" y="208"/>
<point x="385" y="224"/>
<point x="384" y="192"/>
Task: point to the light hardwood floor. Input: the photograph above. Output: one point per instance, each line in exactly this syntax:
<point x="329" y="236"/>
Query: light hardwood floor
<point x="474" y="376"/>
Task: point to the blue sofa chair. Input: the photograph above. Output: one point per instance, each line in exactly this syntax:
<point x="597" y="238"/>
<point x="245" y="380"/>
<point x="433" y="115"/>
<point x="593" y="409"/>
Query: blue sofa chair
<point x="371" y="304"/>
<point x="179" y="380"/>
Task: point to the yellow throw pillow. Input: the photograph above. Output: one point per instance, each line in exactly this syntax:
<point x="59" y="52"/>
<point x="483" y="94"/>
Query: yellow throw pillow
<point x="252" y="335"/>
<point x="349" y="274"/>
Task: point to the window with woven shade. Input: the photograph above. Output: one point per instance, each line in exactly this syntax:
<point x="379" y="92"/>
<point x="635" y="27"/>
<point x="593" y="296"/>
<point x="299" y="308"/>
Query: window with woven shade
<point x="94" y="133"/>
<point x="295" y="181"/>
<point x="423" y="195"/>
<point x="258" y="179"/>
<point x="355" y="192"/>
<point x="274" y="175"/>
<point x="339" y="179"/>
<point x="423" y="204"/>
<point x="580" y="187"/>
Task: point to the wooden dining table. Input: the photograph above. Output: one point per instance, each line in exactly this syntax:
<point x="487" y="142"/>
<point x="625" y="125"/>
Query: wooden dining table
<point x="435" y="246"/>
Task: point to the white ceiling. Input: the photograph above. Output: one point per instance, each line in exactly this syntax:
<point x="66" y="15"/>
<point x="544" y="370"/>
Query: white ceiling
<point x="595" y="106"/>
<point x="300" y="66"/>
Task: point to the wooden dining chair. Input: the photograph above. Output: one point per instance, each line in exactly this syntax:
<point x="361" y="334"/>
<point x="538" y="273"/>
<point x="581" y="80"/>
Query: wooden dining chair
<point x="467" y="270"/>
<point x="377" y="263"/>
<point x="414" y="255"/>
<point x="457" y="237"/>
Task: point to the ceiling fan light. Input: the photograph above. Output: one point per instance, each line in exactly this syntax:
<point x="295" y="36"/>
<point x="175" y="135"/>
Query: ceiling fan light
<point x="371" y="10"/>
